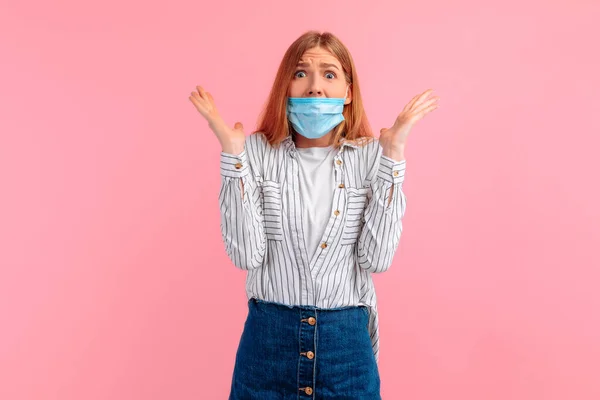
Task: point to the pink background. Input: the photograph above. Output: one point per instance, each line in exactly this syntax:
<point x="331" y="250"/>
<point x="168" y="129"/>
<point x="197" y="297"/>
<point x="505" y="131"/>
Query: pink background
<point x="114" y="282"/>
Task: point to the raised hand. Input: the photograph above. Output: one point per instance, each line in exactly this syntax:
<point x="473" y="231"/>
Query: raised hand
<point x="393" y="139"/>
<point x="232" y="140"/>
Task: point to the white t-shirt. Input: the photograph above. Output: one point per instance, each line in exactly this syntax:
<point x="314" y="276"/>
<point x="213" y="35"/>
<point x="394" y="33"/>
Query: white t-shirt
<point x="317" y="183"/>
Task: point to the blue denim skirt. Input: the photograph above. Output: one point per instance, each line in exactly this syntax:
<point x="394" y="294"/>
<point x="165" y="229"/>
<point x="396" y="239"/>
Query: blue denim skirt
<point x="304" y="352"/>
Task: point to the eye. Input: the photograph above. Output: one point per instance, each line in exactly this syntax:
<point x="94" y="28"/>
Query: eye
<point x="332" y="75"/>
<point x="298" y="72"/>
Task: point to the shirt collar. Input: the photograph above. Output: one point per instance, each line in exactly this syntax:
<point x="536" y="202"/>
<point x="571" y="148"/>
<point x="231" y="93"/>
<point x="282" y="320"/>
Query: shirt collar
<point x="344" y="142"/>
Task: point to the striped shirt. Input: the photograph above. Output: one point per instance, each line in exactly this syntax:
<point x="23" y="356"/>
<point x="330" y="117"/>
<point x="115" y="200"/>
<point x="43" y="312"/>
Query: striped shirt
<point x="261" y="225"/>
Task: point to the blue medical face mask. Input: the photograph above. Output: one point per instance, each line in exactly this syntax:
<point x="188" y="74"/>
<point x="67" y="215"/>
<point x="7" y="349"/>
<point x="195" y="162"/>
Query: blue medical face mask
<point x="313" y="117"/>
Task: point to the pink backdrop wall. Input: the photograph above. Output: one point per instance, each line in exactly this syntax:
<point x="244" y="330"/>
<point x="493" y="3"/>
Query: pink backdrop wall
<point x="114" y="282"/>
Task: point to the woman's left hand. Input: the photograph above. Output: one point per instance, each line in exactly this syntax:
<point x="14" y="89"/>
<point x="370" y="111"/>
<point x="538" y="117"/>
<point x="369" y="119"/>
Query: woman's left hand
<point x="393" y="140"/>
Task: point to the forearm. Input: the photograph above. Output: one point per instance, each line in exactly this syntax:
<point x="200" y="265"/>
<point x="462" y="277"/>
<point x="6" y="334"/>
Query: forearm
<point x="242" y="224"/>
<point x="382" y="228"/>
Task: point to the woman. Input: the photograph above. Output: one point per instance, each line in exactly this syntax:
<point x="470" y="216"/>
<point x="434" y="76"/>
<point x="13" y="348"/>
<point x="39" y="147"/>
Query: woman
<point x="311" y="205"/>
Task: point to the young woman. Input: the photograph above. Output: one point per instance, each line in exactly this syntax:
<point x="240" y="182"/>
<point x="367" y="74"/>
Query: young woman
<point x="311" y="205"/>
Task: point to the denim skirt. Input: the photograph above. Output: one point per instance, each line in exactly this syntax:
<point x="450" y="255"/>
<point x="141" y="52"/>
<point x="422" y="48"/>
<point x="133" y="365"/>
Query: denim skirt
<point x="304" y="352"/>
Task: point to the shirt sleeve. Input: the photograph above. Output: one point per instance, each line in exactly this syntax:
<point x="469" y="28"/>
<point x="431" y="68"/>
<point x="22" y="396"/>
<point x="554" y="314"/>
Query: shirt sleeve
<point x="380" y="234"/>
<point x="242" y="222"/>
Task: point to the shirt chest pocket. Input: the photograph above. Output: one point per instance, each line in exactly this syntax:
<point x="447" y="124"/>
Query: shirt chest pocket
<point x="271" y="198"/>
<point x="355" y="208"/>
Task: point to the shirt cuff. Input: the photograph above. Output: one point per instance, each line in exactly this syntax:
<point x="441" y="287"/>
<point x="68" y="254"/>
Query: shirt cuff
<point x="391" y="170"/>
<point x="234" y="166"/>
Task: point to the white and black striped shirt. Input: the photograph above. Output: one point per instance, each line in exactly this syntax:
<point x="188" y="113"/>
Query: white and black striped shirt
<point x="262" y="229"/>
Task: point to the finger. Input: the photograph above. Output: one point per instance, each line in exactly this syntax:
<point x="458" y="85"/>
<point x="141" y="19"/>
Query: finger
<point x="419" y="98"/>
<point x="421" y="106"/>
<point x="201" y="91"/>
<point x="425" y="111"/>
<point x="210" y="97"/>
<point x="199" y="100"/>
<point x="196" y="96"/>
<point x="409" y="105"/>
<point x="383" y="130"/>
<point x="200" y="97"/>
<point x="201" y="105"/>
<point x="422" y="97"/>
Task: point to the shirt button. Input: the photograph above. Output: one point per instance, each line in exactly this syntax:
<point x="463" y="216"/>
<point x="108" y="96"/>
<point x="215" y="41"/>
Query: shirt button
<point x="310" y="355"/>
<point x="312" y="321"/>
<point x="341" y="185"/>
<point x="336" y="212"/>
<point x="395" y="173"/>
<point x="308" y="390"/>
<point x="339" y="162"/>
<point x="323" y="245"/>
<point x="238" y="165"/>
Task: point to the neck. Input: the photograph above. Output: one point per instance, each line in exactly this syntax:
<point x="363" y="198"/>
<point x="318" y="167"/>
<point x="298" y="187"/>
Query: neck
<point x="324" y="141"/>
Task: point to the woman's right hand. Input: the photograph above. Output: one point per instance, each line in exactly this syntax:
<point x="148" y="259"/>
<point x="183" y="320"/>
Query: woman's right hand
<point x="232" y="140"/>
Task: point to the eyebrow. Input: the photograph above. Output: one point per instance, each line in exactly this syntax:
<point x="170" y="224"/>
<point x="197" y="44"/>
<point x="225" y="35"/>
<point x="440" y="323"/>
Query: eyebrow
<point x="323" y="65"/>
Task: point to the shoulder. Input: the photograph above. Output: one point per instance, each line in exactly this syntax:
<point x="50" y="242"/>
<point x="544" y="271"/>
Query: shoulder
<point x="256" y="144"/>
<point x="257" y="139"/>
<point x="368" y="153"/>
<point x="257" y="149"/>
<point x="369" y="148"/>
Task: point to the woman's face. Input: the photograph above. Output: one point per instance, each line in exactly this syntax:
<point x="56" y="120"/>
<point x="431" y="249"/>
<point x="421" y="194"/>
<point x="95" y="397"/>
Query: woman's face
<point x="319" y="74"/>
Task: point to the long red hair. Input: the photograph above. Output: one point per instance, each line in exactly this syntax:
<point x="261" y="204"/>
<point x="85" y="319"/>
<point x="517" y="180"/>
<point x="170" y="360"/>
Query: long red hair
<point x="273" y="122"/>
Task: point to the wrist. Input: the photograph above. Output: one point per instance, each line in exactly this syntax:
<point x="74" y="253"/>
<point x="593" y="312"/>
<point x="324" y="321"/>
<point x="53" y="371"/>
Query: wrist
<point x="232" y="148"/>
<point x="395" y="152"/>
